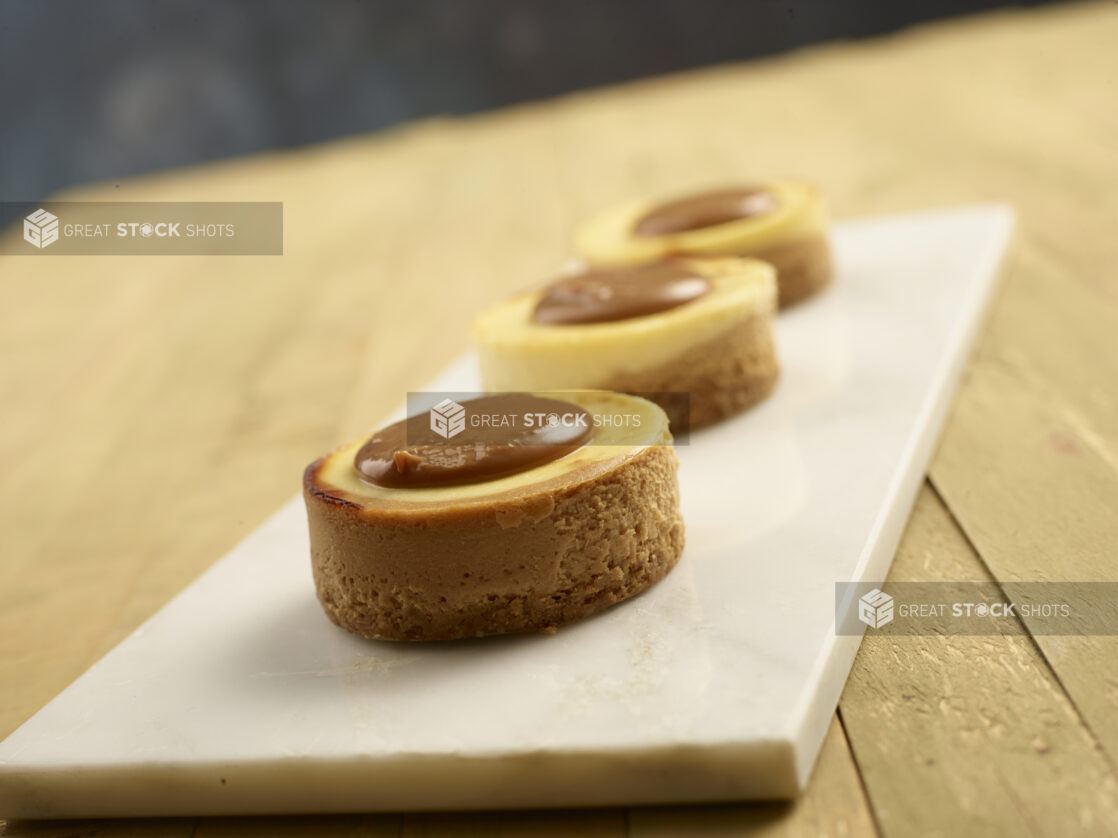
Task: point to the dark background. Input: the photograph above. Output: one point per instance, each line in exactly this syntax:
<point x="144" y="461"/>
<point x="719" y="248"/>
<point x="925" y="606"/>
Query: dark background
<point x="101" y="90"/>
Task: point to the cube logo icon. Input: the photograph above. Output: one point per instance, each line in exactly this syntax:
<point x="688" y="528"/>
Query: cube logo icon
<point x="40" y="228"/>
<point x="448" y="419"/>
<point x="875" y="609"/>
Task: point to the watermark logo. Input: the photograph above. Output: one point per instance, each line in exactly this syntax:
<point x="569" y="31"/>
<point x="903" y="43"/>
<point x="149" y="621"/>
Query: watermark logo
<point x="144" y="228"/>
<point x="448" y="419"/>
<point x="40" y="229"/>
<point x="459" y="418"/>
<point x="941" y="608"/>
<point x="875" y="609"/>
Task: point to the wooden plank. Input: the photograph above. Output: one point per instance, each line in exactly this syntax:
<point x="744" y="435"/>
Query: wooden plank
<point x="1029" y="461"/>
<point x="969" y="735"/>
<point x="318" y="826"/>
<point x="133" y="828"/>
<point x="597" y="823"/>
<point x="833" y="806"/>
<point x="310" y="826"/>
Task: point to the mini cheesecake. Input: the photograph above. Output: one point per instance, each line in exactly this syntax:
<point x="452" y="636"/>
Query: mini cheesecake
<point x="783" y="223"/>
<point x="696" y="336"/>
<point x="533" y="511"/>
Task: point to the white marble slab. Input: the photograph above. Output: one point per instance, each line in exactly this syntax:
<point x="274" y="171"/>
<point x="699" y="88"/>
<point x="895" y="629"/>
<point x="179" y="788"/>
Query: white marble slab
<point x="240" y="697"/>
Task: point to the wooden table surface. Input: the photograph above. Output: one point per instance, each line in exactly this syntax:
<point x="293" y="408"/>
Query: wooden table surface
<point x="156" y="409"/>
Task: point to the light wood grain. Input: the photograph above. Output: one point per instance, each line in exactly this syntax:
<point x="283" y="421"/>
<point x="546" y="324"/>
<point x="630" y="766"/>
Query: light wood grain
<point x="156" y="409"/>
<point x="1029" y="462"/>
<point x="834" y="806"/>
<point x="551" y="824"/>
<point x="969" y="735"/>
<point x="331" y="826"/>
<point x="133" y="828"/>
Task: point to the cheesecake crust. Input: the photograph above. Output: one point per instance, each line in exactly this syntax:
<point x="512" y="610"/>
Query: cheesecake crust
<point x="525" y="564"/>
<point x="803" y="268"/>
<point x="722" y="376"/>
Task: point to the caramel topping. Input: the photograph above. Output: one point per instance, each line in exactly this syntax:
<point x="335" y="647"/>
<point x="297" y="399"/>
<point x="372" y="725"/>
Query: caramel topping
<point x="603" y="296"/>
<point x="707" y="210"/>
<point x="502" y="435"/>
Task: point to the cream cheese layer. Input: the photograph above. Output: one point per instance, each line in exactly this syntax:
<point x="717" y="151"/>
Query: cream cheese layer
<point x="516" y="353"/>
